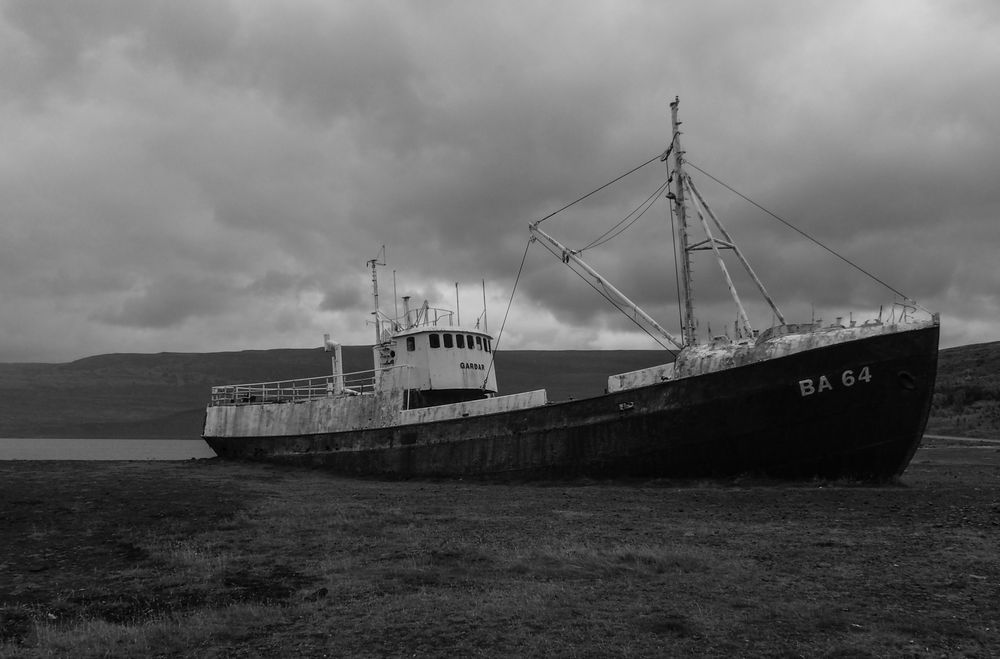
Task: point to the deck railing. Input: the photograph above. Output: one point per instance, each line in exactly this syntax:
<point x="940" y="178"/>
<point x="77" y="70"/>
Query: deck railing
<point x="287" y="391"/>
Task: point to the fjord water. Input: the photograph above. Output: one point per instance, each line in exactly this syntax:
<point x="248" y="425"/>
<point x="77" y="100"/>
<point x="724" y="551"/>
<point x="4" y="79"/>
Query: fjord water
<point x="14" y="448"/>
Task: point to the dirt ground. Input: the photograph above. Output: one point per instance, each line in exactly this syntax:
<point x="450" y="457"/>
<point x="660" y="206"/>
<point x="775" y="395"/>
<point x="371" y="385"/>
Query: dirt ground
<point x="276" y="561"/>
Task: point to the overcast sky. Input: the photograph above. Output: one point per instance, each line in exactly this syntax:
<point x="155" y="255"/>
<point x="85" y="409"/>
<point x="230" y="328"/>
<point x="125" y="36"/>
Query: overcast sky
<point x="201" y="176"/>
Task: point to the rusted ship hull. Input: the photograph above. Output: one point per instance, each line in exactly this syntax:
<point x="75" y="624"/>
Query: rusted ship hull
<point x="851" y="410"/>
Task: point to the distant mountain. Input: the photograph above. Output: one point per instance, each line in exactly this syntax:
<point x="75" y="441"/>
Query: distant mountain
<point x="164" y="395"/>
<point x="136" y="395"/>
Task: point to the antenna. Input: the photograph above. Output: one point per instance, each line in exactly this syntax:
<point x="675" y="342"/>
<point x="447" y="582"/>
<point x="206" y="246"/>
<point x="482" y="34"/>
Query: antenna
<point x="484" y="306"/>
<point x="458" y="312"/>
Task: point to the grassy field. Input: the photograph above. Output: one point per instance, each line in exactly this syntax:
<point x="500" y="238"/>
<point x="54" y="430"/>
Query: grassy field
<point x="233" y="560"/>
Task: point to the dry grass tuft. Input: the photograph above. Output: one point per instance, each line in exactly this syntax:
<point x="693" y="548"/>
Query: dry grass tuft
<point x="160" y="635"/>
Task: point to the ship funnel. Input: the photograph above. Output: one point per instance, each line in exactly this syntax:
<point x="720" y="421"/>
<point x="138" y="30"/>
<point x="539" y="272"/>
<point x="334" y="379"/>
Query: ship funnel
<point x="406" y="311"/>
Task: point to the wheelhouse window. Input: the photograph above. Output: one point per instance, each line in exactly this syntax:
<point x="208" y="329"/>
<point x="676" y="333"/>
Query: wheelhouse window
<point x="448" y="342"/>
<point x="486" y="344"/>
<point x="460" y="341"/>
<point x="435" y="340"/>
<point x="479" y="343"/>
<point x="411" y="344"/>
<point x="469" y="340"/>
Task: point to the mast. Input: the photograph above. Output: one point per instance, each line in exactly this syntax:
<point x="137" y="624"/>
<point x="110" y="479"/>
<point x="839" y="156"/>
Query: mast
<point x="687" y="317"/>
<point x="485" y="329"/>
<point x="378" y="314"/>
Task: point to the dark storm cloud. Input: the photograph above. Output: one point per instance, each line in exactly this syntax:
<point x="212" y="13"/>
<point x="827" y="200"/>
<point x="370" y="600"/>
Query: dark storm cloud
<point x="168" y="302"/>
<point x="279" y="283"/>
<point x="343" y="298"/>
<point x="205" y="175"/>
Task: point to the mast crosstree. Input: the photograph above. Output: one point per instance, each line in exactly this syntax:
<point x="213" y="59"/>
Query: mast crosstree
<point x="682" y="188"/>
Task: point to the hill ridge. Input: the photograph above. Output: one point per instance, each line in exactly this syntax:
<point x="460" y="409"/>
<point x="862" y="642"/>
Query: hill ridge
<point x="163" y="394"/>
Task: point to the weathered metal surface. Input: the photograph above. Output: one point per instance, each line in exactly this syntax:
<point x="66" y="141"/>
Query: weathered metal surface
<point x="317" y="415"/>
<point x="851" y="409"/>
<point x="480" y="407"/>
<point x="641" y="378"/>
<point x="708" y="358"/>
<point x="333" y="414"/>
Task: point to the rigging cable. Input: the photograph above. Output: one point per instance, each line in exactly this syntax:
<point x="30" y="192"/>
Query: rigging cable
<point x="599" y="240"/>
<point x="624" y="313"/>
<point x="504" y="322"/>
<point x="645" y="206"/>
<point x="595" y="191"/>
<point x="613" y="303"/>
<point x="661" y="156"/>
<point x="799" y="231"/>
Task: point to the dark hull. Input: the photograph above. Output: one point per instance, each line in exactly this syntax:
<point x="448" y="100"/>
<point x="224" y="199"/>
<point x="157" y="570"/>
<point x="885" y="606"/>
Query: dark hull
<point x="756" y="419"/>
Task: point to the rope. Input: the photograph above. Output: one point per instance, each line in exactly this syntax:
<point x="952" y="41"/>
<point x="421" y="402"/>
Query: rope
<point x="504" y="323"/>
<point x="648" y="203"/>
<point x="631" y="171"/>
<point x="799" y="231"/>
<point x="520" y="269"/>
<point x="624" y="313"/>
<point x="600" y="291"/>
